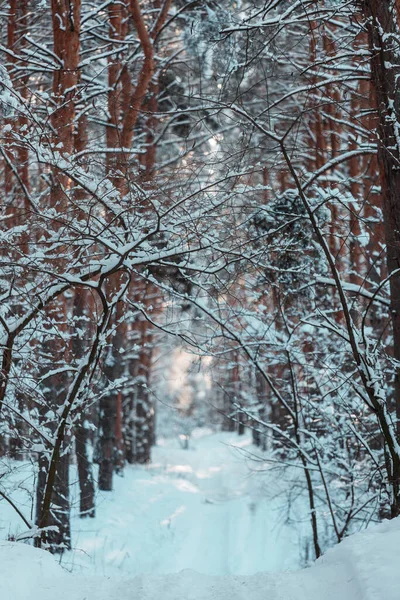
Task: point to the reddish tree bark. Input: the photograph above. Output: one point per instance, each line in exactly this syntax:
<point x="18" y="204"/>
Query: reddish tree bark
<point x="382" y="28"/>
<point x="66" y="40"/>
<point x="125" y="102"/>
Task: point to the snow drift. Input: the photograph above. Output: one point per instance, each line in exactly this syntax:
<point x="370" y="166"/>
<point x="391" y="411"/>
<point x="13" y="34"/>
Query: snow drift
<point x="362" y="567"/>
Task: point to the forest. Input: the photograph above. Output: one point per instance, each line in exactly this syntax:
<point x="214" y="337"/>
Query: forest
<point x="200" y="266"/>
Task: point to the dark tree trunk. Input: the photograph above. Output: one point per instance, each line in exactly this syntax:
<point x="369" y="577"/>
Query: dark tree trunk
<point x="139" y="430"/>
<point x="82" y="431"/>
<point x="55" y="510"/>
<point x="258" y="432"/>
<point x="143" y="423"/>
<point x="241" y="422"/>
<point x="144" y="411"/>
<point x="113" y="370"/>
<point x="143" y="435"/>
<point x="130" y="413"/>
<point x="119" y="441"/>
<point x="60" y="540"/>
<point x="385" y="72"/>
<point x="231" y="415"/>
<point x="228" y="412"/>
<point x="85" y="471"/>
<point x="58" y="513"/>
<point x="106" y="444"/>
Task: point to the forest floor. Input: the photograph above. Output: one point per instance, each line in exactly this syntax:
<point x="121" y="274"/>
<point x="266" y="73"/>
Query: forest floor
<point x="212" y="508"/>
<point x="196" y="524"/>
<point x="363" y="567"/>
<point x="207" y="508"/>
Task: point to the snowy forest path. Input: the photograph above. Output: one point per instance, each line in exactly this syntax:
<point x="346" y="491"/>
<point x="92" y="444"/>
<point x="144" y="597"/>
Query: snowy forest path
<point x="171" y="526"/>
<point x="199" y="509"/>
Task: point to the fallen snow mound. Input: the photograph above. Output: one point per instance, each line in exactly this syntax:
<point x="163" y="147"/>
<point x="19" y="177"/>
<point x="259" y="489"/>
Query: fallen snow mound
<point x="362" y="567"/>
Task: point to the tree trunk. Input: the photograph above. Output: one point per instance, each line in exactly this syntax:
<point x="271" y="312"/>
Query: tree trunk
<point x="85" y="471"/>
<point x="385" y="72"/>
<point x="82" y="430"/>
<point x="107" y="442"/>
<point x="143" y="437"/>
<point x="113" y="369"/>
<point x="259" y="435"/>
<point x="60" y="540"/>
<point x="66" y="38"/>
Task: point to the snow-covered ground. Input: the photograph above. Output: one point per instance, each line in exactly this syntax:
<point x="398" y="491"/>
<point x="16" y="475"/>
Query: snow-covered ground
<point x="363" y="567"/>
<point x="204" y="508"/>
<point x="198" y="524"/>
<point x="207" y="508"/>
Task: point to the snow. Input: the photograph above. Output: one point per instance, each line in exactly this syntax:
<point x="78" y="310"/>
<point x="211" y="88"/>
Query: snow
<point x="189" y="509"/>
<point x="363" y="567"/>
<point x="198" y="524"/>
